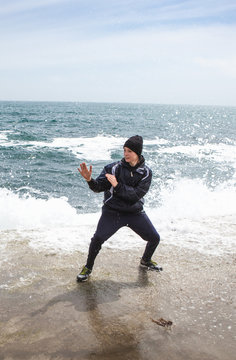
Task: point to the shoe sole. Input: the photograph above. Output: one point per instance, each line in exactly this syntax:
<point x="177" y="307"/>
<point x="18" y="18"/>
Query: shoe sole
<point x="82" y="280"/>
<point x="150" y="268"/>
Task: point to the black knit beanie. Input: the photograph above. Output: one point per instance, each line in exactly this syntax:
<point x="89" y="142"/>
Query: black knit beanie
<point x="135" y="143"/>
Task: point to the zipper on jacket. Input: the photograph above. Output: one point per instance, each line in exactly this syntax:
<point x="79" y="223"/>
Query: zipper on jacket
<point x="131" y="174"/>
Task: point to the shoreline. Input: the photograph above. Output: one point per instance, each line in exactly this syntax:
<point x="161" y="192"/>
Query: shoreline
<point x="45" y="314"/>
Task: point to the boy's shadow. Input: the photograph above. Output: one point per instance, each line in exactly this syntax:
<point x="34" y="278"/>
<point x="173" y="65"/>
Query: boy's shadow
<point x="115" y="339"/>
<point x="87" y="296"/>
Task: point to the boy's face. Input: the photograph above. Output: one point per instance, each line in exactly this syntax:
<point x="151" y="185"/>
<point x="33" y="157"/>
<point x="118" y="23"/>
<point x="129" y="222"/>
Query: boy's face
<point x="130" y="156"/>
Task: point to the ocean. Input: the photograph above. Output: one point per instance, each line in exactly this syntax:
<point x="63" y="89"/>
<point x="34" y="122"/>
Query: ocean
<point x="45" y="203"/>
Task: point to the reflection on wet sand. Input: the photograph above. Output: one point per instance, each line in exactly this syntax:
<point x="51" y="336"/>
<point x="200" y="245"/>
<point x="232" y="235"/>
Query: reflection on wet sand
<point x="46" y="315"/>
<point x="114" y="335"/>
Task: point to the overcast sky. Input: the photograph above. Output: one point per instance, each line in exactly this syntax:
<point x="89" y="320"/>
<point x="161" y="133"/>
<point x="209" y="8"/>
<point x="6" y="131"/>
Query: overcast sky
<point x="146" y="51"/>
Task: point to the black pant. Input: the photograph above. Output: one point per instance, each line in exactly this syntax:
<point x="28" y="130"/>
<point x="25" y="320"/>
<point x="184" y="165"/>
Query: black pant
<point x="111" y="221"/>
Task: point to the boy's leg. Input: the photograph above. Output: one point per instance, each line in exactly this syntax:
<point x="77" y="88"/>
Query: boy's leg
<point x="141" y="224"/>
<point x="108" y="224"/>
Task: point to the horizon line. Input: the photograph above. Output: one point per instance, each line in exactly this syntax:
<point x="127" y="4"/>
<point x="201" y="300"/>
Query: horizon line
<point x="117" y="103"/>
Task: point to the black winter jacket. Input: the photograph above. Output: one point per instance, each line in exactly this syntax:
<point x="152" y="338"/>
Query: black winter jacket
<point x="133" y="184"/>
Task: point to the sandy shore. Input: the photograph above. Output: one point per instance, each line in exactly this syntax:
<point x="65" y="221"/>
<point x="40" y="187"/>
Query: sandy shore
<point x="45" y="314"/>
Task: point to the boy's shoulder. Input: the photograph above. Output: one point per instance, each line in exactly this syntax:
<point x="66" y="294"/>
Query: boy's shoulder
<point x="144" y="170"/>
<point x="111" y="165"/>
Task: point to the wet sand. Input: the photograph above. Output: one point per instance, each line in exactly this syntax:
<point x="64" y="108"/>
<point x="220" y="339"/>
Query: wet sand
<point x="46" y="315"/>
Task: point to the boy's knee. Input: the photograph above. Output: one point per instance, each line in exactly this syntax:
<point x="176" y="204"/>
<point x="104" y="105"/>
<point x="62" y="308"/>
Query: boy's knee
<point x="96" y="240"/>
<point x="156" y="239"/>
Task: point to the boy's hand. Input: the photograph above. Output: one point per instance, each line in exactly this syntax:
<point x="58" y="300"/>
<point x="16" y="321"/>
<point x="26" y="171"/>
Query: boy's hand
<point x="112" y="179"/>
<point x="83" y="170"/>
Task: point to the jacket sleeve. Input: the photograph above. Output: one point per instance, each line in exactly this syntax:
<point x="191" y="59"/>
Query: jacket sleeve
<point x="100" y="184"/>
<point x="134" y="194"/>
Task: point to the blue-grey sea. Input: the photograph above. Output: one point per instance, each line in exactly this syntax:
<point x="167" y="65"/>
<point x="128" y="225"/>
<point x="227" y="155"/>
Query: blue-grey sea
<point x="190" y="149"/>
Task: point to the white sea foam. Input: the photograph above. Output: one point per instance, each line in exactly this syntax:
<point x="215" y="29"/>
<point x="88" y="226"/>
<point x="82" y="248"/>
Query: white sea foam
<point x="95" y="148"/>
<point x="101" y="147"/>
<point x="28" y="212"/>
<point x="217" y="152"/>
<point x="156" y="141"/>
<point x="4" y="138"/>
<point x="194" y="216"/>
<point x="191" y="215"/>
<point x="191" y="198"/>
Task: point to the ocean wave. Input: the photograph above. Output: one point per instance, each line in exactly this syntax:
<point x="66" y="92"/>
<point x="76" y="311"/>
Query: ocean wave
<point x="184" y="198"/>
<point x="27" y="212"/>
<point x="190" y="215"/>
<point x="95" y="148"/>
<point x="191" y="198"/>
<point x="101" y="147"/>
<point x="216" y="152"/>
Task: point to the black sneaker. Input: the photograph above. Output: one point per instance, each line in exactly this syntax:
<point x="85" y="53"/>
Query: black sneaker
<point x="84" y="274"/>
<point x="150" y="265"/>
